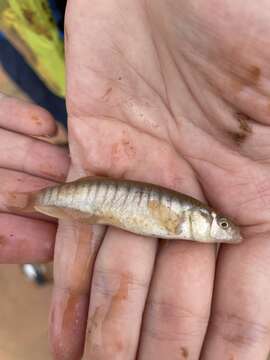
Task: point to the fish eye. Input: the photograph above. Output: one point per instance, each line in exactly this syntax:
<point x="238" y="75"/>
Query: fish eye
<point x="223" y="223"/>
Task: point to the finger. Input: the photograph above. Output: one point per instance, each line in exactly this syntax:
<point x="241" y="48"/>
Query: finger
<point x="22" y="153"/>
<point x="120" y="283"/>
<point x="12" y="183"/>
<point x="178" y="307"/>
<point x="26" y="118"/>
<point x="240" y="320"/>
<point x="25" y="240"/>
<point x="76" y="248"/>
<point x="75" y="252"/>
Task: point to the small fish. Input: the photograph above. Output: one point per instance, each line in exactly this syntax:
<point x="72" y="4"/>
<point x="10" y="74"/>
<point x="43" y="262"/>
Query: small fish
<point x="138" y="207"/>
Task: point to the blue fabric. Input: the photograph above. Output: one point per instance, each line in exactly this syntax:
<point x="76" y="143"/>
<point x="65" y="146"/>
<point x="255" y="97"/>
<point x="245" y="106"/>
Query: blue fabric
<point x="58" y="15"/>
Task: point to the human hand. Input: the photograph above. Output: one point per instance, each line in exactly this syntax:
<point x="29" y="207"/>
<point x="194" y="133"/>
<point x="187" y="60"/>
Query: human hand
<point x="175" y="93"/>
<point x="26" y="164"/>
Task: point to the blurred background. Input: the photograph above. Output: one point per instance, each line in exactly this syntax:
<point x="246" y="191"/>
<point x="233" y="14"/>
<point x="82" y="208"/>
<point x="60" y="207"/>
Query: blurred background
<point x="23" y="316"/>
<point x="32" y="69"/>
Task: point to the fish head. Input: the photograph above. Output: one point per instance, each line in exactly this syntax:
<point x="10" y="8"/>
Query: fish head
<point x="224" y="230"/>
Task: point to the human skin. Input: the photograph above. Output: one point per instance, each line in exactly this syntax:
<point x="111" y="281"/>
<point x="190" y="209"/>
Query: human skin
<point x="26" y="164"/>
<point x="175" y="93"/>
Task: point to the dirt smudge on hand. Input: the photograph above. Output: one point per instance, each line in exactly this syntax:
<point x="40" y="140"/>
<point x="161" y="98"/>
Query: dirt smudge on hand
<point x="237" y="137"/>
<point x="84" y="255"/>
<point x="245" y="77"/>
<point x="103" y="321"/>
<point x="50" y="171"/>
<point x="94" y="339"/>
<point x="253" y="74"/>
<point x="243" y="122"/>
<point x="124" y="147"/>
<point x="74" y="317"/>
<point x="16" y="202"/>
<point x="69" y="314"/>
<point x="184" y="353"/>
<point x="36" y="120"/>
<point x="107" y="94"/>
<point x="120" y="295"/>
<point x="2" y="241"/>
<point x="68" y="323"/>
<point x="244" y="131"/>
<point x="122" y="157"/>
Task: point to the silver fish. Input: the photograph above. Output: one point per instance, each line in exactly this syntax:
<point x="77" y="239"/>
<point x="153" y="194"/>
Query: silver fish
<point x="138" y="207"/>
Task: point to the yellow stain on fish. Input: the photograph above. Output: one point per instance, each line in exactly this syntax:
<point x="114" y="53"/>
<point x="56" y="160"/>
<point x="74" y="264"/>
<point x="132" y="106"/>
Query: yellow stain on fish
<point x="138" y="207"/>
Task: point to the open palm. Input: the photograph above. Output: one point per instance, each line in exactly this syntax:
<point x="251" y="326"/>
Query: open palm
<point x="175" y="93"/>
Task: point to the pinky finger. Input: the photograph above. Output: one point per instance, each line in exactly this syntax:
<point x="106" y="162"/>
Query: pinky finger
<point x="24" y="240"/>
<point x="25" y="118"/>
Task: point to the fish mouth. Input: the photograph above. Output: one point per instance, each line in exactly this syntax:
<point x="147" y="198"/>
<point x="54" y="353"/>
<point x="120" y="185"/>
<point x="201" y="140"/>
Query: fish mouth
<point x="239" y="237"/>
<point x="236" y="239"/>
